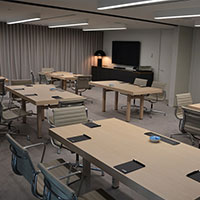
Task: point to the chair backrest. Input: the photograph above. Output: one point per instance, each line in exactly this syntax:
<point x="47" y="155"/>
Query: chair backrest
<point x="83" y="82"/>
<point x="54" y="189"/>
<point x="32" y="77"/>
<point x="69" y="115"/>
<point x="21" y="162"/>
<point x="2" y="87"/>
<point x="191" y="121"/>
<point x="183" y="99"/>
<point x="21" y="82"/>
<point x="46" y="69"/>
<point x="159" y="96"/>
<point x="140" y="82"/>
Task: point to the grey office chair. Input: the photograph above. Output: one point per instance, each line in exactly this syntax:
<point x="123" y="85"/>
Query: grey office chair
<point x="82" y="84"/>
<point x="183" y="99"/>
<point x="44" y="78"/>
<point x="154" y="98"/>
<point x="2" y="89"/>
<point x="22" y="165"/>
<point x="54" y="189"/>
<point x="64" y="116"/>
<point x="32" y="77"/>
<point x="139" y="82"/>
<point x="8" y="115"/>
<point x="191" y="123"/>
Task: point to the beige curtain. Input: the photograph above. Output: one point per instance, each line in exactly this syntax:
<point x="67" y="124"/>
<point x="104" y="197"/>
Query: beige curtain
<point x="29" y="47"/>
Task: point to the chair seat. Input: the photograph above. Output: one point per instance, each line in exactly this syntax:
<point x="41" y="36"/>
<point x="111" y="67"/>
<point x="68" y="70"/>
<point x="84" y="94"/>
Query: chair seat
<point x="58" y="172"/>
<point x="99" y="194"/>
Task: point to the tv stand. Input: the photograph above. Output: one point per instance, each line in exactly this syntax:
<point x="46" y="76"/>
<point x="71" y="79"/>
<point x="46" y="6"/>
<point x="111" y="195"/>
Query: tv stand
<point x="102" y="74"/>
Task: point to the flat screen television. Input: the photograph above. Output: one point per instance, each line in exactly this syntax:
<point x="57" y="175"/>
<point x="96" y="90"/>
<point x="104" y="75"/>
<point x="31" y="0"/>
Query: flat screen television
<point x="126" y="53"/>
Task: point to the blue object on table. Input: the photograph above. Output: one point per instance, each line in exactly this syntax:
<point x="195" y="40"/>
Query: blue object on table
<point x="52" y="89"/>
<point x="154" y="139"/>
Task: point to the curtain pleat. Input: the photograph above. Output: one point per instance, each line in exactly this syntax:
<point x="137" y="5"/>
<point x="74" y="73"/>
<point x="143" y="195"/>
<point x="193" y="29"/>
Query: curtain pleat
<point x="29" y="47"/>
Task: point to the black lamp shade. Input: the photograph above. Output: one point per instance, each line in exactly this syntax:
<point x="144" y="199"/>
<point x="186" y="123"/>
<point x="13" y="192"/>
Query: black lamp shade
<point x="100" y="53"/>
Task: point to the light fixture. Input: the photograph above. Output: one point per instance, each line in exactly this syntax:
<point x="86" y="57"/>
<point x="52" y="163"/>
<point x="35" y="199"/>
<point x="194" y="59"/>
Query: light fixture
<point x="178" y="13"/>
<point x="106" y="5"/>
<point x="104" y="29"/>
<point x="177" y="16"/>
<point x="99" y="54"/>
<point x="197" y="25"/>
<point x="69" y="25"/>
<point x="24" y="20"/>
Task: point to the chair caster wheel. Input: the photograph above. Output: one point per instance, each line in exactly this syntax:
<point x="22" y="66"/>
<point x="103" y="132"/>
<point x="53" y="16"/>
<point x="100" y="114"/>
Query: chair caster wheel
<point x="59" y="151"/>
<point x="28" y="137"/>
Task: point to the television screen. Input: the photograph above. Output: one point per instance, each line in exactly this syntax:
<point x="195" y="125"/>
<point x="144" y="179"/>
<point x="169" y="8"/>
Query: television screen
<point x="126" y="53"/>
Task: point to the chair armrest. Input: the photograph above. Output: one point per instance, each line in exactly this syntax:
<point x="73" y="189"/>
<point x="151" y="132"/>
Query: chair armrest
<point x="34" y="186"/>
<point x="56" y="166"/>
<point x="35" y="145"/>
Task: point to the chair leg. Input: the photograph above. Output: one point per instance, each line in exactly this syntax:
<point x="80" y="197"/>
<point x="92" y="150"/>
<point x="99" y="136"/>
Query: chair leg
<point x="152" y="110"/>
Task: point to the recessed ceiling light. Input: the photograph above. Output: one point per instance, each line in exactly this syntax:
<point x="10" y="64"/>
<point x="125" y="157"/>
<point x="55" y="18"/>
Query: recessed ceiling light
<point x="24" y="20"/>
<point x="69" y="25"/>
<point x="128" y="3"/>
<point x="178" y="16"/>
<point x="197" y="25"/>
<point x="104" y="29"/>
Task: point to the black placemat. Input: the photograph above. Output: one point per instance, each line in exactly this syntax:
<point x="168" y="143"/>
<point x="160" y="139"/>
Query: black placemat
<point x="79" y="138"/>
<point x="164" y="139"/>
<point x="19" y="89"/>
<point x="195" y="175"/>
<point x="30" y="95"/>
<point x="129" y="166"/>
<point x="92" y="125"/>
<point x="56" y="97"/>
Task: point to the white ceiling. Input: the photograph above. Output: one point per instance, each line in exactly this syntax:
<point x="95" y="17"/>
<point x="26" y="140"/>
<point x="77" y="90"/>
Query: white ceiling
<point x="51" y="16"/>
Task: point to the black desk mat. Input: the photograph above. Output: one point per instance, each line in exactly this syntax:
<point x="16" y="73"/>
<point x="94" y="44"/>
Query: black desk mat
<point x="19" y="89"/>
<point x="79" y="138"/>
<point x="92" y="125"/>
<point x="56" y="97"/>
<point x="195" y="175"/>
<point x="164" y="139"/>
<point x="129" y="166"/>
<point x="30" y="95"/>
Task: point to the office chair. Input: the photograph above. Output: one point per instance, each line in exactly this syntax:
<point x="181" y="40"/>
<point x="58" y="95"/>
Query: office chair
<point x="191" y="123"/>
<point x="32" y="77"/>
<point x="82" y="84"/>
<point x="139" y="82"/>
<point x="8" y="115"/>
<point x="64" y="116"/>
<point x="22" y="165"/>
<point x="183" y="99"/>
<point x="54" y="189"/>
<point x="154" y="98"/>
<point x="2" y="88"/>
<point x="44" y="78"/>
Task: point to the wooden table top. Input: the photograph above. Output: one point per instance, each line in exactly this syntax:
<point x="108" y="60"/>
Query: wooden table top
<point x="44" y="94"/>
<point x="116" y="142"/>
<point x="195" y="106"/>
<point x="126" y="88"/>
<point x="61" y="75"/>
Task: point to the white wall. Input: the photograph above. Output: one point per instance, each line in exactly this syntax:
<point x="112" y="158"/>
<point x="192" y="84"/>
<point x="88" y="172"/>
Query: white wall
<point x="195" y="67"/>
<point x="156" y="49"/>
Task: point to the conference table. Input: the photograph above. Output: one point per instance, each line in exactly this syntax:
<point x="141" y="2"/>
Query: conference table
<point x="132" y="92"/>
<point x="195" y="106"/>
<point x="162" y="170"/>
<point x="42" y="96"/>
<point x="63" y="76"/>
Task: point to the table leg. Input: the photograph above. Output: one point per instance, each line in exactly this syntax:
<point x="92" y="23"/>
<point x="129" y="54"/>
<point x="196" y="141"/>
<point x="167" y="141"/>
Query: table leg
<point x="40" y="112"/>
<point x="116" y="100"/>
<point x="64" y="84"/>
<point x="104" y="101"/>
<point x="128" y="109"/>
<point x="115" y="183"/>
<point x="24" y="108"/>
<point x="86" y="168"/>
<point x="141" y="107"/>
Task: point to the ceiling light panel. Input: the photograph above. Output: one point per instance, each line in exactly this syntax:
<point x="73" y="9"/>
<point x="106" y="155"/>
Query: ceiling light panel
<point x="105" y="29"/>
<point x="24" y="20"/>
<point x="69" y="25"/>
<point x="178" y="14"/>
<point x="114" y="4"/>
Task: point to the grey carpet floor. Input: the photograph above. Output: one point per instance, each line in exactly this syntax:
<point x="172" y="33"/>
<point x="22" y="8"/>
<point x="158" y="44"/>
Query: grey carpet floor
<point x="13" y="187"/>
